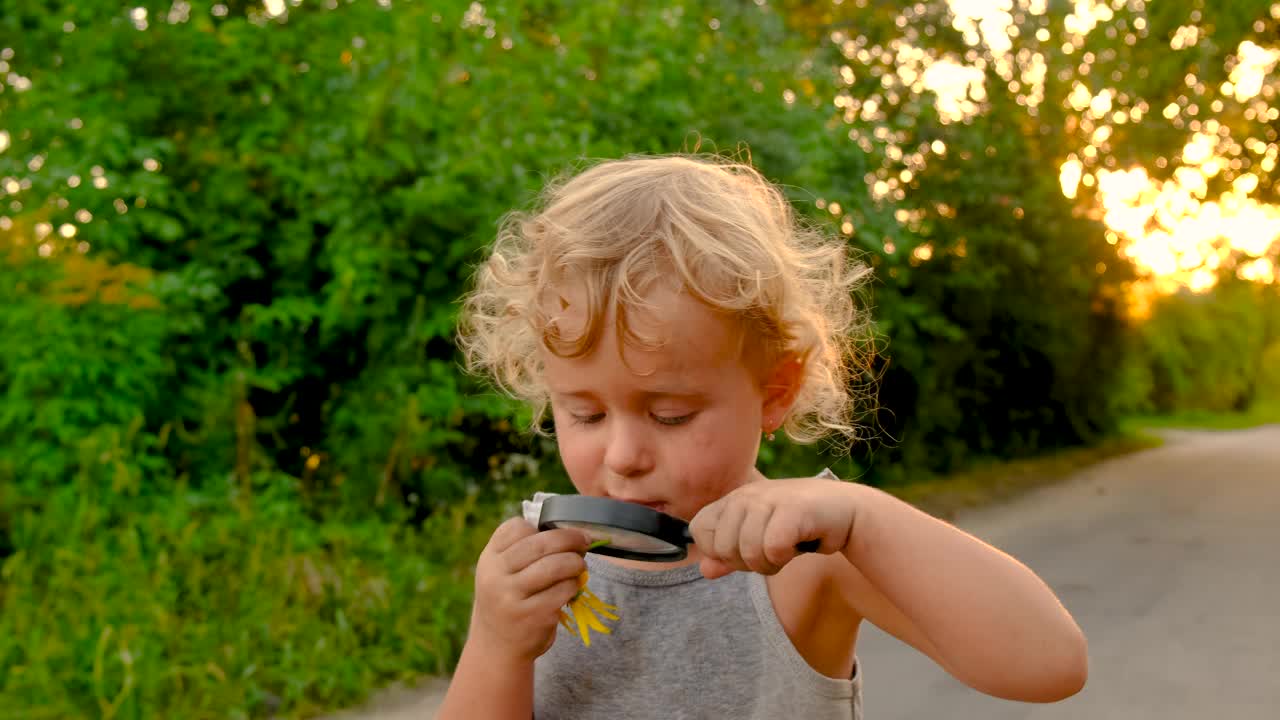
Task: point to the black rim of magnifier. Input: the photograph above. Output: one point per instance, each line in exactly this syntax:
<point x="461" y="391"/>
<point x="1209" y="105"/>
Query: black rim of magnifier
<point x="622" y="515"/>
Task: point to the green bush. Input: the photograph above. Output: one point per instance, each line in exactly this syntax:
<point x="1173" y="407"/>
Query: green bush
<point x="83" y="367"/>
<point x="1209" y="351"/>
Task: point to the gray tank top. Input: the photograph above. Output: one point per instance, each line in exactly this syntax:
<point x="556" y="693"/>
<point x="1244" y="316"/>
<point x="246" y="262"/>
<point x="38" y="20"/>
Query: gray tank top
<point x="686" y="647"/>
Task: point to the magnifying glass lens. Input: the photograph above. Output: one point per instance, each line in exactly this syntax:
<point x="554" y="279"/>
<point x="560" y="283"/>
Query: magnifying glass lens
<point x="620" y="538"/>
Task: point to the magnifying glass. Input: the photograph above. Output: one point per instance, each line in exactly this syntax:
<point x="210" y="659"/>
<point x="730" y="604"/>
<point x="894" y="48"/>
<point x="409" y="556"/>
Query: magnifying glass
<point x="625" y="530"/>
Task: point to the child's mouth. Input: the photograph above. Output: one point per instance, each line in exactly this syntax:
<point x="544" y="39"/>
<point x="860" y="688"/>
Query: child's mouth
<point x="651" y="504"/>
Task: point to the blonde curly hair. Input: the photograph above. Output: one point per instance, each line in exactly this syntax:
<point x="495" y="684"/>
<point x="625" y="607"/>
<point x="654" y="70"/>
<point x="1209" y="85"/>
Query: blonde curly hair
<point x="726" y="233"/>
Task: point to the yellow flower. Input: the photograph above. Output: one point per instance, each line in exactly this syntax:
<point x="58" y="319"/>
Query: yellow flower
<point x="583" y="610"/>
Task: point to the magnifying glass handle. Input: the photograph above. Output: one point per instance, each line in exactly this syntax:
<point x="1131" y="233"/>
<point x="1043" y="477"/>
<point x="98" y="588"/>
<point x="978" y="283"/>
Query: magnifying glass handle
<point x="807" y="546"/>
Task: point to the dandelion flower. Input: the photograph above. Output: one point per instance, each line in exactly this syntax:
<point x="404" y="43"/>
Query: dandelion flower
<point x="585" y="611"/>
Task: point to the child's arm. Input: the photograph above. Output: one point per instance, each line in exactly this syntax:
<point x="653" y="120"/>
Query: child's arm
<point x="982" y="615"/>
<point x="523" y="578"/>
<point x="987" y="618"/>
<point x="490" y="685"/>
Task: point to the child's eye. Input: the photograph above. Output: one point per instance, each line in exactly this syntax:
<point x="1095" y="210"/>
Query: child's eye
<point x="588" y="419"/>
<point x="676" y="420"/>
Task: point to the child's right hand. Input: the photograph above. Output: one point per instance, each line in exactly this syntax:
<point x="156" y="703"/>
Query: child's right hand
<point x="523" y="578"/>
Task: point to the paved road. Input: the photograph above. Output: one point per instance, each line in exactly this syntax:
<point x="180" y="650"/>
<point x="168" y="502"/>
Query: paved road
<point x="1170" y="561"/>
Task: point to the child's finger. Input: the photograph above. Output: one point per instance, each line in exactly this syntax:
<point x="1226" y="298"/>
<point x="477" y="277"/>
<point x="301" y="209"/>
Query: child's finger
<point x="751" y="541"/>
<point x="559" y="594"/>
<point x="712" y="568"/>
<point x="702" y="527"/>
<point x="509" y="533"/>
<point x="529" y="549"/>
<point x="727" y="531"/>
<point x="549" y="570"/>
<point x="780" y="538"/>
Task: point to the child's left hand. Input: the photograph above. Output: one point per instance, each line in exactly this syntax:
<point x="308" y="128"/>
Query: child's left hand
<point x="757" y="526"/>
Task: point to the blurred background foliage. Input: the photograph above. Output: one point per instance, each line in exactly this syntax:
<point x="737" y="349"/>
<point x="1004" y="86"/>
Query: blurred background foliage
<point x="241" y="472"/>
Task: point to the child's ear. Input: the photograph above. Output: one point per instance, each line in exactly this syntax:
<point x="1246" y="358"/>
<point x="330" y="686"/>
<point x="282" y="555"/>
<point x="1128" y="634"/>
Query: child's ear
<point x="781" y="385"/>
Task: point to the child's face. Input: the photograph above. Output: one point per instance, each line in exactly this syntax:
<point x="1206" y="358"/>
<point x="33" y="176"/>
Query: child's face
<point x="675" y="428"/>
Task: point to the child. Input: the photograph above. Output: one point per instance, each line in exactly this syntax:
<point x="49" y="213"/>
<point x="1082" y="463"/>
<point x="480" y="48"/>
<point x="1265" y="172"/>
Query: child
<point x="669" y="311"/>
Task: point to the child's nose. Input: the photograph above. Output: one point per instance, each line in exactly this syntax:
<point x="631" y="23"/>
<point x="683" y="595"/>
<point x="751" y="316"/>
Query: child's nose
<point x="628" y="453"/>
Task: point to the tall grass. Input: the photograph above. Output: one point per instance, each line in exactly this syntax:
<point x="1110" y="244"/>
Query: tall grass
<point x="190" y="606"/>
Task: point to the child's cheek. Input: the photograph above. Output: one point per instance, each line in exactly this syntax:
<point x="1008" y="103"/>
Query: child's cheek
<point x="715" y="461"/>
<point x="707" y="438"/>
<point x="579" y="459"/>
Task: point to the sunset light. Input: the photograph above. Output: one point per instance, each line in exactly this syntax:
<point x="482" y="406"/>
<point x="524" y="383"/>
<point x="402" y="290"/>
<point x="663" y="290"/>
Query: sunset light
<point x="1171" y="229"/>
